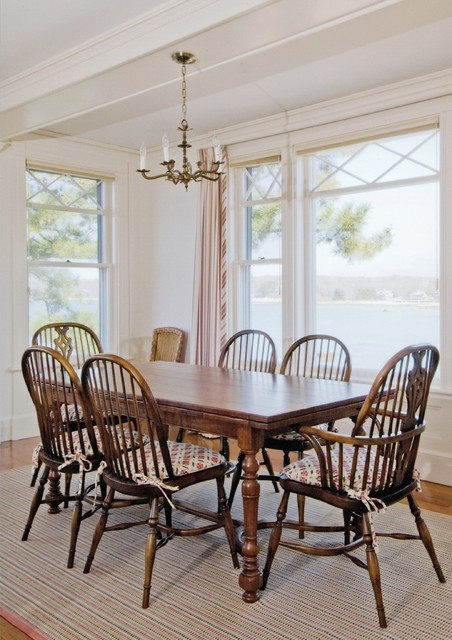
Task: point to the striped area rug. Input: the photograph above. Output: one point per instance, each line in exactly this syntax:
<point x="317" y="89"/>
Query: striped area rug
<point x="195" y="593"/>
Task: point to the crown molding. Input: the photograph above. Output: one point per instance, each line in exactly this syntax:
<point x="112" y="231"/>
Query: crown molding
<point x="150" y="32"/>
<point x="382" y="99"/>
<point x="400" y="94"/>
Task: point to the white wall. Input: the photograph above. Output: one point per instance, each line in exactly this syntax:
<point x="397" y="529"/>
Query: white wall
<point x="162" y="247"/>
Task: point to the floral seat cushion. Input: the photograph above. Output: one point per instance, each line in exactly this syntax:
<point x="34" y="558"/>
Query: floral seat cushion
<point x="185" y="458"/>
<point x="307" y="470"/>
<point x="295" y="435"/>
<point x="87" y="445"/>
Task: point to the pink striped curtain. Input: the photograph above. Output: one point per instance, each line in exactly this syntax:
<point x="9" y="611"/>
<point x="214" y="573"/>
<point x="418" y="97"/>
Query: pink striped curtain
<point x="209" y="303"/>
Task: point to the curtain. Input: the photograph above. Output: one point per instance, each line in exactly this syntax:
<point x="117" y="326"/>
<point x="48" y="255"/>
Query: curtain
<point x="210" y="278"/>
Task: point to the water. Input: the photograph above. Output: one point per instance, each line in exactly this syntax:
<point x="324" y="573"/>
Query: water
<point x="373" y="332"/>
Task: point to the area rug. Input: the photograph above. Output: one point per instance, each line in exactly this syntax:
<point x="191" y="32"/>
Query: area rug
<point x="195" y="593"/>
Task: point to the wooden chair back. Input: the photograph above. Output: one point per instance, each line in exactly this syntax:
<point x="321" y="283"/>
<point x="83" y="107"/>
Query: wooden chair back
<point x="380" y="455"/>
<point x="318" y="356"/>
<point x="75" y="341"/>
<point x="250" y="350"/>
<point x="126" y="414"/>
<point x="64" y="418"/>
<point x="167" y="344"/>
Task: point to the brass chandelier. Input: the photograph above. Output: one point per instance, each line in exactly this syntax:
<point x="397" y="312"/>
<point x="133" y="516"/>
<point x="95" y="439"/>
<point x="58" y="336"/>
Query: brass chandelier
<point x="186" y="175"/>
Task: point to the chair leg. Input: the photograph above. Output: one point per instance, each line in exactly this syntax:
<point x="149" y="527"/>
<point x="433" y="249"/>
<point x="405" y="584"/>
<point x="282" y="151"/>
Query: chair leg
<point x="347" y="526"/>
<point x="180" y="435"/>
<point x="225" y="515"/>
<point x="224" y="447"/>
<point x="35" y="474"/>
<point x="301" y="501"/>
<point x="275" y="537"/>
<point x="67" y="489"/>
<point x="236" y="478"/>
<point x="269" y="466"/>
<point x="75" y="522"/>
<point x="373" y="568"/>
<point x="425" y="536"/>
<point x="99" y="530"/>
<point x="149" y="554"/>
<point x="35" y="503"/>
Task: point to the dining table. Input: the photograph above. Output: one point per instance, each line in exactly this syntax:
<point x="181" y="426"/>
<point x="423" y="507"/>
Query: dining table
<point x="247" y="406"/>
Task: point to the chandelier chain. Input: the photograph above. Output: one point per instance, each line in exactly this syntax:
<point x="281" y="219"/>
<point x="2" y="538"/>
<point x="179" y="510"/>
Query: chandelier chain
<point x="186" y="175"/>
<point x="184" y="94"/>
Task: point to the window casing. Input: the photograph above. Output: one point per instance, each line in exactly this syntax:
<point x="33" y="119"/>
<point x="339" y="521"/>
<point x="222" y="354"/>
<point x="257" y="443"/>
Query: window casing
<point x="68" y="248"/>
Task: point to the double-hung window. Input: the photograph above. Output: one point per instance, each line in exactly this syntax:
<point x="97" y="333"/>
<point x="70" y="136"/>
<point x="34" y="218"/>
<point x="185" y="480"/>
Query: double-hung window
<point x="67" y="230"/>
<point x="259" y="285"/>
<point x="374" y="212"/>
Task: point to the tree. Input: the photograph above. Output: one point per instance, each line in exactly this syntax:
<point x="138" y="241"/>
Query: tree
<point x="343" y="228"/>
<point x="266" y="222"/>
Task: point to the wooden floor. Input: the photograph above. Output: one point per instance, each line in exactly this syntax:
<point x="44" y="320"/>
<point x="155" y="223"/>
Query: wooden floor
<point x="17" y="453"/>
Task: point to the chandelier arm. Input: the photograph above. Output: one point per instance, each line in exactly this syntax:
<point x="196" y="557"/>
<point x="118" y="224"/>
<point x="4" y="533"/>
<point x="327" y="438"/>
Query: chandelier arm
<point x="144" y="173"/>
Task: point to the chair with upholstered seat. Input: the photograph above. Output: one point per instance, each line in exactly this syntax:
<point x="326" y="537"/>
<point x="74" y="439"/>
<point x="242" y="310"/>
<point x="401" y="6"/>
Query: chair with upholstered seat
<point x="248" y="350"/>
<point x="76" y="342"/>
<point x="68" y="438"/>
<point x="314" y="356"/>
<point x="367" y="471"/>
<point x="167" y="344"/>
<point x="154" y="469"/>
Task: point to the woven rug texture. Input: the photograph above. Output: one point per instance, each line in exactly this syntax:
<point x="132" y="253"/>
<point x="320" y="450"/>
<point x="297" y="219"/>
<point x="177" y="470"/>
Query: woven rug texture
<point x="195" y="593"/>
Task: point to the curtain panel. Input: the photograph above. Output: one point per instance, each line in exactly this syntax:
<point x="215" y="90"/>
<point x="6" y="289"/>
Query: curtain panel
<point x="210" y="275"/>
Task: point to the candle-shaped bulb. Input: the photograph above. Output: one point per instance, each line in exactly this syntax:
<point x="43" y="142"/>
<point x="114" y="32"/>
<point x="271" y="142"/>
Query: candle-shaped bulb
<point x="165" y="146"/>
<point x="216" y="149"/>
<point x="143" y="152"/>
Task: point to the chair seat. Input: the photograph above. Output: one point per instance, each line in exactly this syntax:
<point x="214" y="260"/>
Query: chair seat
<point x="86" y="442"/>
<point x="185" y="458"/>
<point x="291" y="436"/>
<point x="307" y="470"/>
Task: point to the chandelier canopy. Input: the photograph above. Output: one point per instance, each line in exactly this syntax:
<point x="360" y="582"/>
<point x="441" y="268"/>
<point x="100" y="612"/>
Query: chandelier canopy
<point x="186" y="175"/>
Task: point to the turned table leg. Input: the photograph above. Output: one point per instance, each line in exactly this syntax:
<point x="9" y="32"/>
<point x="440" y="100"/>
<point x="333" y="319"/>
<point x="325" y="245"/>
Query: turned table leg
<point x="250" y="579"/>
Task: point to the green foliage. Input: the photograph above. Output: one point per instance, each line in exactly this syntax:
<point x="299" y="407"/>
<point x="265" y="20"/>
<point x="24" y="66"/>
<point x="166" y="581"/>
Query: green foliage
<point x="61" y="236"/>
<point x="343" y="228"/>
<point x="266" y="222"/>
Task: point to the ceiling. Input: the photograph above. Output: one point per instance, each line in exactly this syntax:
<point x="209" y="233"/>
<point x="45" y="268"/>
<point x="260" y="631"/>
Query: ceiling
<point x="101" y="70"/>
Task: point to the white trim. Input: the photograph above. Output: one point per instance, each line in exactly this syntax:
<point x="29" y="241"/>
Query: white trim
<point x="409" y="94"/>
<point x="145" y="34"/>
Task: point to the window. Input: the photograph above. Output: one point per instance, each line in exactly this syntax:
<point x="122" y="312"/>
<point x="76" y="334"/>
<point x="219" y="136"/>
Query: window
<point x="259" y="248"/>
<point x="67" y="225"/>
<point x="374" y="210"/>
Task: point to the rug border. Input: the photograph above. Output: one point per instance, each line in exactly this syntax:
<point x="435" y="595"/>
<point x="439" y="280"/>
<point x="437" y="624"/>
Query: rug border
<point x="20" y="624"/>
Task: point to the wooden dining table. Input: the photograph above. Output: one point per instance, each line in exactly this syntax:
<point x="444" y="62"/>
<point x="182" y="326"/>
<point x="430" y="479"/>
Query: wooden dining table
<point x="247" y="406"/>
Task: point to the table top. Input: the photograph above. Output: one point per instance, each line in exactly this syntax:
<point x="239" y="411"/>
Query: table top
<point x="270" y="402"/>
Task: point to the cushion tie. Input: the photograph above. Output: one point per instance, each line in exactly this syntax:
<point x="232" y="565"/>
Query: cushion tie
<point x="35" y="457"/>
<point x="84" y="465"/>
<point x="372" y="505"/>
<point x="417" y="479"/>
<point x="141" y="478"/>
